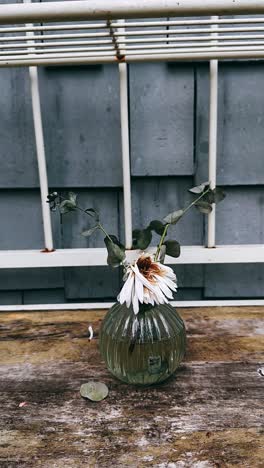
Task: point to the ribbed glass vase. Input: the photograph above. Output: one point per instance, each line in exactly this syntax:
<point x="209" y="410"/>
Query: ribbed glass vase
<point x="142" y="349"/>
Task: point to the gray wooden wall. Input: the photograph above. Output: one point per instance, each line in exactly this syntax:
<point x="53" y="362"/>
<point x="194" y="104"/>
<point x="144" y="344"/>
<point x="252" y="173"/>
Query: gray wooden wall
<point x="169" y="153"/>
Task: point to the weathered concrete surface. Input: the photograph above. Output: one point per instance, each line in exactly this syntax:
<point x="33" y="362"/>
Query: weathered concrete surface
<point x="209" y="415"/>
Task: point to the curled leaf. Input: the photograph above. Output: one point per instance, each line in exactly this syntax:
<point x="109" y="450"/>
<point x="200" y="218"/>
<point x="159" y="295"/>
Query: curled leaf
<point x="94" y="391"/>
<point x="92" y="212"/>
<point x="66" y="206"/>
<point x="73" y="197"/>
<point x="215" y="195"/>
<point x="174" y="217"/>
<point x="173" y="248"/>
<point x="219" y="194"/>
<point x="199" y="188"/>
<point x="203" y="206"/>
<point x="157" y="226"/>
<point x="116" y="251"/>
<point x="89" y="232"/>
<point x="141" y="238"/>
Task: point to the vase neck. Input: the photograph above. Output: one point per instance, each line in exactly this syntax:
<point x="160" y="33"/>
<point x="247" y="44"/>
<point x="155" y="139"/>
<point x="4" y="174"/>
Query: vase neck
<point x="145" y="307"/>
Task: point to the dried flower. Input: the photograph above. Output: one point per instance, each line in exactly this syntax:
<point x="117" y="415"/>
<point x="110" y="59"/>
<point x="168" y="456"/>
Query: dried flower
<point x="148" y="282"/>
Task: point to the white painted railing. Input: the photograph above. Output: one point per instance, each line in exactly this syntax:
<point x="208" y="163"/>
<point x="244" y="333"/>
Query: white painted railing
<point x="108" y="31"/>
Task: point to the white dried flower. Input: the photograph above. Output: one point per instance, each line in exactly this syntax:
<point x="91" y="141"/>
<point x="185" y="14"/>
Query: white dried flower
<point x="148" y="282"/>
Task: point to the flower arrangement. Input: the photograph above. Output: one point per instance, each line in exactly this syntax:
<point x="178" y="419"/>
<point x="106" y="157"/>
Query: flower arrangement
<point x="147" y="280"/>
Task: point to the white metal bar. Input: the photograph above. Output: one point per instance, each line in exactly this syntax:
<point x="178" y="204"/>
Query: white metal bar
<point x="98" y="44"/>
<point x="190" y="45"/>
<point x="150" y="42"/>
<point x="99" y="9"/>
<point x="43" y="179"/>
<point x="89" y="306"/>
<point x="96" y="55"/>
<point x="192" y="22"/>
<point x="58" y="27"/>
<point x="73" y="60"/>
<point x="131" y="55"/>
<point x="124" y="114"/>
<point x="170" y="32"/>
<point x="134" y="58"/>
<point x="154" y="42"/>
<point x="40" y="148"/>
<point x="47" y="37"/>
<point x="212" y="144"/>
<point x="51" y="52"/>
<point x="221" y="39"/>
<point x="102" y="25"/>
<point x="143" y="32"/>
<point x="133" y="49"/>
<point x="98" y="256"/>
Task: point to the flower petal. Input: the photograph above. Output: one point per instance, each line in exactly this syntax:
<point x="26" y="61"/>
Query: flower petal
<point x="139" y="288"/>
<point x="145" y="282"/>
<point x="164" y="287"/>
<point x="125" y="294"/>
<point x="135" y="303"/>
<point x="171" y="284"/>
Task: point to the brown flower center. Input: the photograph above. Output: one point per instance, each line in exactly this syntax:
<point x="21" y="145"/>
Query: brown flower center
<point x="148" y="269"/>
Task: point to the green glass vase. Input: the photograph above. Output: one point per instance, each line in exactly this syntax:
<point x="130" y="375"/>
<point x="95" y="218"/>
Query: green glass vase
<point x="142" y="349"/>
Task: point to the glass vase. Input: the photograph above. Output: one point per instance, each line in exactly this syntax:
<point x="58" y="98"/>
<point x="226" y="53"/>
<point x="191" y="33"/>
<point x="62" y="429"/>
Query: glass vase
<point x="142" y="349"/>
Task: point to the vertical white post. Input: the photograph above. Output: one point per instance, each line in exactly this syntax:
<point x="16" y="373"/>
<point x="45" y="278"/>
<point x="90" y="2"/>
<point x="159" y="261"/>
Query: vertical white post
<point x="125" y="151"/>
<point x="212" y="141"/>
<point x="43" y="178"/>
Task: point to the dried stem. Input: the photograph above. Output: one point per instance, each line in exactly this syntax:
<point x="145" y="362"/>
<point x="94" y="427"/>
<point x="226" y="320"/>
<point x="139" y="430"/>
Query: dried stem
<point x="156" y="257"/>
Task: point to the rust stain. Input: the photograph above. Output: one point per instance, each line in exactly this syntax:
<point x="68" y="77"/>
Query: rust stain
<point x="121" y="58"/>
<point x="47" y="250"/>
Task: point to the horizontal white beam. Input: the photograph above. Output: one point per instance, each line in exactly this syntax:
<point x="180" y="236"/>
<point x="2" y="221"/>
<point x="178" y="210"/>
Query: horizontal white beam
<point x="130" y="24"/>
<point x="152" y="42"/>
<point x="155" y="50"/>
<point x="106" y="305"/>
<point x="166" y="33"/>
<point x="116" y="9"/>
<point x="97" y="256"/>
<point x="166" y="57"/>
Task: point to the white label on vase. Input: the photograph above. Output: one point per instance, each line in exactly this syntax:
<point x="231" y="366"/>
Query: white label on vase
<point x="154" y="364"/>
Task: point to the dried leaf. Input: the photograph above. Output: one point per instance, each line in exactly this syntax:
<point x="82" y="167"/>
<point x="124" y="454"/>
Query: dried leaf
<point x="73" y="197"/>
<point x="94" y="391"/>
<point x="66" y="206"/>
<point x="199" y="188"/>
<point x="116" y="251"/>
<point x="92" y="212"/>
<point x="219" y="194"/>
<point x="173" y="248"/>
<point x="174" y="217"/>
<point x="89" y="232"/>
<point x="157" y="226"/>
<point x="204" y="207"/>
<point x="214" y="196"/>
<point x="141" y="238"/>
